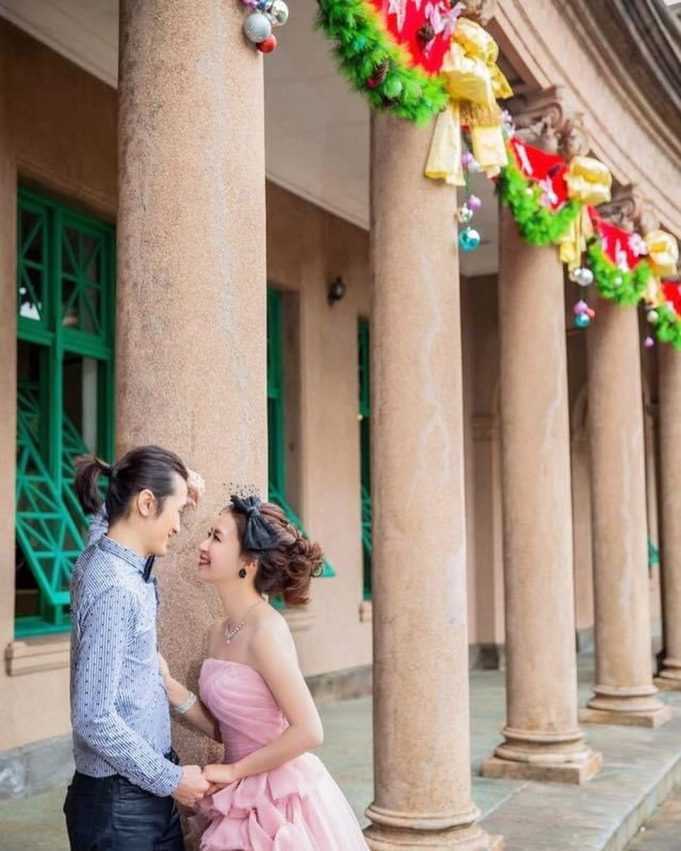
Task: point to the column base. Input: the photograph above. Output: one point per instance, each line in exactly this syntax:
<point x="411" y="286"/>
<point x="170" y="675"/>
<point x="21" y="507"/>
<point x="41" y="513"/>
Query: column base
<point x="381" y="838"/>
<point x="628" y="706"/>
<point x="650" y="718"/>
<point x="391" y="829"/>
<point x="544" y="756"/>
<point x="667" y="682"/>
<point x="543" y="772"/>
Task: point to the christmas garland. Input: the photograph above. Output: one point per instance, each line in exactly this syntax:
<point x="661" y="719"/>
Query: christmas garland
<point x="538" y="224"/>
<point x="375" y="65"/>
<point x="668" y="326"/>
<point x="623" y="287"/>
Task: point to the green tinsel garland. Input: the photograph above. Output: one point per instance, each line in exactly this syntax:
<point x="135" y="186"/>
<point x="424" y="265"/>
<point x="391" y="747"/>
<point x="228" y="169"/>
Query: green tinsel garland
<point x="363" y="46"/>
<point x="538" y="225"/>
<point x="625" y="288"/>
<point x="668" y="326"/>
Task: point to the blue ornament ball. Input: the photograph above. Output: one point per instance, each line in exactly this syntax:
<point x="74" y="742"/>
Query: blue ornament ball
<point x="582" y="320"/>
<point x="469" y="239"/>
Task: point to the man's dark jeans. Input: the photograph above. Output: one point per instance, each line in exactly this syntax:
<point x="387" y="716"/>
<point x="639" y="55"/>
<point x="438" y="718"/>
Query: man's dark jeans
<point x="112" y="814"/>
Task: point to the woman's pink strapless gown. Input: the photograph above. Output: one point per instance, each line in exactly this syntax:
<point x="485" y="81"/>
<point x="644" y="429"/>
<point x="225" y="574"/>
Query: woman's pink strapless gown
<point x="297" y="807"/>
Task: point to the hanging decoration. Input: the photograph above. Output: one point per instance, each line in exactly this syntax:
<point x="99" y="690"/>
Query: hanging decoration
<point x="425" y="59"/>
<point x="616" y="258"/>
<point x="392" y="50"/>
<point x="262" y="17"/>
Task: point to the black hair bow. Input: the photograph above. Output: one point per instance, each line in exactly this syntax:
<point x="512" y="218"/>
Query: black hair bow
<point x="259" y="535"/>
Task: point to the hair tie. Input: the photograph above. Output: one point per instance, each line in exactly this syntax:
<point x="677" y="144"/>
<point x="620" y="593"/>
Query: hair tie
<point x="259" y="536"/>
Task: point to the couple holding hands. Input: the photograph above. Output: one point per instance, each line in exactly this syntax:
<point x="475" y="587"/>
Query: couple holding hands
<point x="270" y="793"/>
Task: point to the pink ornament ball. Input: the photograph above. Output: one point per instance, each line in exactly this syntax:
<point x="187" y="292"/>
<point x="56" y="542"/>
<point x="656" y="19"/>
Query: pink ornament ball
<point x="474" y="203"/>
<point x="649" y="342"/>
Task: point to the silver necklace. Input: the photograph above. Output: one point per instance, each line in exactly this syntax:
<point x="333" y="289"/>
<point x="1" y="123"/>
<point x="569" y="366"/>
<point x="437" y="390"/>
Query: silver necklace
<point x="234" y="631"/>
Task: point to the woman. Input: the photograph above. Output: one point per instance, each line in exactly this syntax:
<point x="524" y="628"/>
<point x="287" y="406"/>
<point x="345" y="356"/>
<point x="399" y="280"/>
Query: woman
<point x="269" y="794"/>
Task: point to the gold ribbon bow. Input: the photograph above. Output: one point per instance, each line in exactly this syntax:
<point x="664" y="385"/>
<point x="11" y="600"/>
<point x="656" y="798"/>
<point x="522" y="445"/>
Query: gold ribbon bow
<point x="663" y="253"/>
<point x="588" y="181"/>
<point x="474" y="82"/>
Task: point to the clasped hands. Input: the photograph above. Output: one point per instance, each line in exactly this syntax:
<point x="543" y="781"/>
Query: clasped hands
<point x="197" y="783"/>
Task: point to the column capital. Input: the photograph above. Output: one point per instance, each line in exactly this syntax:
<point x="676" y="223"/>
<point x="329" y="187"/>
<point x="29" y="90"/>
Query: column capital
<point x="481" y="11"/>
<point x="549" y="120"/>
<point x="630" y="210"/>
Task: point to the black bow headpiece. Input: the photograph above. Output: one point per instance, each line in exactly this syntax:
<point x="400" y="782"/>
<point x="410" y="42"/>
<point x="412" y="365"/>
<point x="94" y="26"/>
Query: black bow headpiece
<point x="259" y="535"/>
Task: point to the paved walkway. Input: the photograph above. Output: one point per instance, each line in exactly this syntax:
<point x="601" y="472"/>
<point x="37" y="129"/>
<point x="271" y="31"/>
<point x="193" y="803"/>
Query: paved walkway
<point x="663" y="831"/>
<point x="641" y="768"/>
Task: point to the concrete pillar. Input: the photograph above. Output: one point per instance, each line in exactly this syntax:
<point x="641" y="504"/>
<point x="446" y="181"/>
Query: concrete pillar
<point x="624" y="692"/>
<point x="191" y="319"/>
<point x="669" y="365"/>
<point x="421" y="709"/>
<point x="542" y="737"/>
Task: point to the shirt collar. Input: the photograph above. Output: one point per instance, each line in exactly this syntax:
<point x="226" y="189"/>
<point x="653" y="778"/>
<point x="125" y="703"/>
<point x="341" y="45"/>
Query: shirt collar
<point x="130" y="556"/>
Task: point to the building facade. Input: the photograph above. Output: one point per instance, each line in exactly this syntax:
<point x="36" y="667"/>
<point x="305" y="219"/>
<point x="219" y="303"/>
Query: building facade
<point x="187" y="256"/>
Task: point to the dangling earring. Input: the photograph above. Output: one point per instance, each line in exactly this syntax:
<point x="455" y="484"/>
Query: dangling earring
<point x="242" y="573"/>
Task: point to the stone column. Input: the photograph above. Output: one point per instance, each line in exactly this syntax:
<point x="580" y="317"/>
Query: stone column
<point x="542" y="737"/>
<point x="624" y="692"/>
<point x="421" y="710"/>
<point x="669" y="372"/>
<point x="191" y="315"/>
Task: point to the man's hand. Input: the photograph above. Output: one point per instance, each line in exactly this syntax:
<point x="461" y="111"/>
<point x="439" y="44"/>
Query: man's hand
<point x="193" y="786"/>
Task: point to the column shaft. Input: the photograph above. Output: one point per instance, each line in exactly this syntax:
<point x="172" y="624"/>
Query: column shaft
<point x="542" y="737"/>
<point x="191" y="317"/>
<point x="421" y="710"/>
<point x="669" y="365"/>
<point x="624" y="691"/>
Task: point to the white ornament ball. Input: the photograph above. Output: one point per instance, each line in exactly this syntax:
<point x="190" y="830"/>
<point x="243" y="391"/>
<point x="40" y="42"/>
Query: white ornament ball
<point x="464" y="214"/>
<point x="653" y="317"/>
<point x="278" y="13"/>
<point x="257" y="27"/>
<point x="582" y="276"/>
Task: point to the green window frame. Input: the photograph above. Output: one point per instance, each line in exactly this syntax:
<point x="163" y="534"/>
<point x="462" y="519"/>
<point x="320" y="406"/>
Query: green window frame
<point x="65" y="305"/>
<point x="276" y="414"/>
<point x="365" y="450"/>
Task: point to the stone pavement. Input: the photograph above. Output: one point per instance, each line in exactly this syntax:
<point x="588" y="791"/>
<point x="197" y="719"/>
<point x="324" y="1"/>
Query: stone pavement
<point x="640" y="769"/>
<point x="663" y="831"/>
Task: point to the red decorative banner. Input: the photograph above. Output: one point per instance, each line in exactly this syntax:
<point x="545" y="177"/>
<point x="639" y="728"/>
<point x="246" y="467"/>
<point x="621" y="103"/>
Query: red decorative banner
<point x="423" y="27"/>
<point x="623" y="248"/>
<point x="545" y="169"/>
<point x="672" y="294"/>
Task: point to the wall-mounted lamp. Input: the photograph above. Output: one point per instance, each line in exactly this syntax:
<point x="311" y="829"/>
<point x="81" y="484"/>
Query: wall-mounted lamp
<point x="336" y="291"/>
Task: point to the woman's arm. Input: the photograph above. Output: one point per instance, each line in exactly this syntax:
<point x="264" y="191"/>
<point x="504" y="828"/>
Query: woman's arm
<point x="275" y="658"/>
<point x="198" y="715"/>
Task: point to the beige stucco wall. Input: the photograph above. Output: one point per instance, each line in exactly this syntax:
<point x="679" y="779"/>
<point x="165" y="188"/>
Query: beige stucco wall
<point x="60" y="127"/>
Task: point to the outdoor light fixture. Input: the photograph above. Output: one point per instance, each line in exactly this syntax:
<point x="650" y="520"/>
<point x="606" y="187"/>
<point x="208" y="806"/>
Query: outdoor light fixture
<point x="336" y="291"/>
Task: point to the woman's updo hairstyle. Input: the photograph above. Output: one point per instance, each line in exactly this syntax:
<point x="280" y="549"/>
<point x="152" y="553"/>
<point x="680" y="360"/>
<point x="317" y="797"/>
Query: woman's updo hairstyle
<point x="144" y="468"/>
<point x="286" y="567"/>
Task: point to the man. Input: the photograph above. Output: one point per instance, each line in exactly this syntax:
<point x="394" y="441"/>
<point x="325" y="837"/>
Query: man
<point x="127" y="776"/>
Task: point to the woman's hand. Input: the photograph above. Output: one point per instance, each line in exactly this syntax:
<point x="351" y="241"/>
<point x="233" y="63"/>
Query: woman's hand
<point x="220" y="775"/>
<point x="165" y="670"/>
<point x="196" y="487"/>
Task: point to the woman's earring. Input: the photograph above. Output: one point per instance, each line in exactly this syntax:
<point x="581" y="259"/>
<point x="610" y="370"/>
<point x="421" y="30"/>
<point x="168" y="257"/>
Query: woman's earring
<point x="242" y="573"/>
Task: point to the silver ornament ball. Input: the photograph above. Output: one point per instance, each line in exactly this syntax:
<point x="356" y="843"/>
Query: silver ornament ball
<point x="257" y="27"/>
<point x="278" y="13"/>
<point x="464" y="215"/>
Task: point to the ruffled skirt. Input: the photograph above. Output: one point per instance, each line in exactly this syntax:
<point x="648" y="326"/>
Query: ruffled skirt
<point x="297" y="807"/>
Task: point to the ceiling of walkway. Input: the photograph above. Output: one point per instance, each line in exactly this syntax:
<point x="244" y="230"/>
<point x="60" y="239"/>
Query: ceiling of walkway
<point x="317" y="130"/>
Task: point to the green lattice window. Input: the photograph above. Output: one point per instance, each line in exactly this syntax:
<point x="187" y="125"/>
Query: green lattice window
<point x="365" y="450"/>
<point x="276" y="418"/>
<point x="65" y="286"/>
